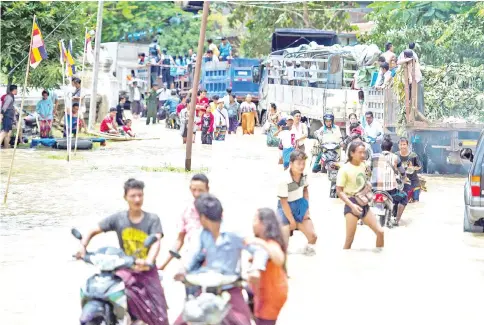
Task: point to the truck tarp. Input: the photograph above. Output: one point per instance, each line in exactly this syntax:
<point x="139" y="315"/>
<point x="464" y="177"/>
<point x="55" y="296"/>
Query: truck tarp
<point x="283" y="38"/>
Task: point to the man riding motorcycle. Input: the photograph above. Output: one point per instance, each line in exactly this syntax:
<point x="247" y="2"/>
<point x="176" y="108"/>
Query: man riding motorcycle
<point x="385" y="167"/>
<point x="329" y="132"/>
<point x="220" y="251"/>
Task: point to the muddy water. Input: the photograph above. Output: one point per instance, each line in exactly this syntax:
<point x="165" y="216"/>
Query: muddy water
<point x="430" y="271"/>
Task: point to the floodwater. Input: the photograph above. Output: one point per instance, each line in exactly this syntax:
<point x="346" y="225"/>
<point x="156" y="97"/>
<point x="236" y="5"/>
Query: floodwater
<point x="430" y="271"/>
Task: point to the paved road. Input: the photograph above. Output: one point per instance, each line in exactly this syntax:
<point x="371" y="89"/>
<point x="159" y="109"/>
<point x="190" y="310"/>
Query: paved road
<point x="429" y="271"/>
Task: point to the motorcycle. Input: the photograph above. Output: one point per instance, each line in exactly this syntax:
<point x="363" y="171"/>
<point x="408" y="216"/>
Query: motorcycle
<point x="332" y="168"/>
<point x="329" y="164"/>
<point x="172" y="120"/>
<point x="103" y="298"/>
<point x="207" y="302"/>
<point x="384" y="208"/>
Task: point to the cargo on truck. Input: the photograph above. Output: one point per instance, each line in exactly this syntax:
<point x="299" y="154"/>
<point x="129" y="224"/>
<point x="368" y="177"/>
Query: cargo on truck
<point x="317" y="80"/>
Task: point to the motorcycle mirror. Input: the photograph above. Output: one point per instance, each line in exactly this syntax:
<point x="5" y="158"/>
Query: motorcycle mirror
<point x="150" y="240"/>
<point x="76" y="233"/>
<point x="175" y="254"/>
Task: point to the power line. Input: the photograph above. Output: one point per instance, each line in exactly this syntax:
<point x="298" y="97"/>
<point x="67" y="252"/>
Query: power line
<point x="264" y="6"/>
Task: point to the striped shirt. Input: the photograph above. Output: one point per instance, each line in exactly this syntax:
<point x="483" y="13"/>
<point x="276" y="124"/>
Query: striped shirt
<point x="290" y="189"/>
<point x="383" y="176"/>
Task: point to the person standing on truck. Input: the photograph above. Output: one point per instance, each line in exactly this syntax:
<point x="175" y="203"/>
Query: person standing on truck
<point x="166" y="62"/>
<point x="373" y="131"/>
<point x="225" y="50"/>
<point x="386" y="77"/>
<point x="212" y="47"/>
<point x="408" y="57"/>
<point x="248" y="115"/>
<point x="300" y="130"/>
<point x="389" y="52"/>
<point x="411" y="47"/>
<point x="412" y="165"/>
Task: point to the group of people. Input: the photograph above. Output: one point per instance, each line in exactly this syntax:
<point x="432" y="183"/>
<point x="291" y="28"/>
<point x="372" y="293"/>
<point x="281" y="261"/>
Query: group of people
<point x="205" y="246"/>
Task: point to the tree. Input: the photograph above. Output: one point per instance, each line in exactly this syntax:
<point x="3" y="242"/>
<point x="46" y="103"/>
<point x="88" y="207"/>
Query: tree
<point x="261" y="21"/>
<point x="16" y="28"/>
<point x="175" y="29"/>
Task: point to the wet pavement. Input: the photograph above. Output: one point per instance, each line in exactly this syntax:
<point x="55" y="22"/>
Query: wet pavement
<point x="430" y="271"/>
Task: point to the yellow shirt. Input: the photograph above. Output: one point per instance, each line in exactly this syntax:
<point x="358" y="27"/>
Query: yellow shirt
<point x="352" y="178"/>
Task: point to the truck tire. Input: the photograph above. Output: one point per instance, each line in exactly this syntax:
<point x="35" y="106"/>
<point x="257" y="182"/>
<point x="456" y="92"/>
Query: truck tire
<point x="263" y="117"/>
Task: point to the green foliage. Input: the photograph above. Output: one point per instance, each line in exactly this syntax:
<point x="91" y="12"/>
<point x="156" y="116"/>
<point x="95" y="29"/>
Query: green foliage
<point x="180" y="29"/>
<point x="261" y="21"/>
<point x="452" y="33"/>
<point x="16" y="28"/>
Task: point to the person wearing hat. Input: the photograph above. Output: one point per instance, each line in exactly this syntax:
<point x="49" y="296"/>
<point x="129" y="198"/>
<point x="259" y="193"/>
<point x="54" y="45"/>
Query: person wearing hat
<point x="225" y="50"/>
<point x="152" y="104"/>
<point x="287" y="137"/>
<point x="108" y="124"/>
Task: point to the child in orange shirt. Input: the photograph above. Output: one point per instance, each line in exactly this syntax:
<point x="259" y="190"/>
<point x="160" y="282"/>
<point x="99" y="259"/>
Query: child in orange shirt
<point x="271" y="292"/>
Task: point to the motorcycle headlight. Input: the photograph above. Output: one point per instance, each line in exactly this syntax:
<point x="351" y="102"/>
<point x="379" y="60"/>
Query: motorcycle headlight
<point x="106" y="262"/>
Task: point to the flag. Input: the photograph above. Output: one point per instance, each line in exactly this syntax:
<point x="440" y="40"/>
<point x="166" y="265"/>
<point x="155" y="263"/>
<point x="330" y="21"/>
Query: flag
<point x="37" y="51"/>
<point x="71" y="66"/>
<point x="88" y="49"/>
<point x="62" y="51"/>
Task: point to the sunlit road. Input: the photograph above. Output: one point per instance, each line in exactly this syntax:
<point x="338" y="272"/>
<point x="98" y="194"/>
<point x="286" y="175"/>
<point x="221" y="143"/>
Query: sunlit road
<point x="429" y="272"/>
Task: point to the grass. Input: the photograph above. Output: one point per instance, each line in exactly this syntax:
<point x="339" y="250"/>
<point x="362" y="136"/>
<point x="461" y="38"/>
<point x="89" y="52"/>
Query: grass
<point x="172" y="169"/>
<point x="62" y="156"/>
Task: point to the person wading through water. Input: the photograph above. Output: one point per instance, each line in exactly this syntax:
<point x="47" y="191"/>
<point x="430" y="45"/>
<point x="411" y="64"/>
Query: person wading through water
<point x="351" y="186"/>
<point x="248" y="115"/>
<point x="293" y="203"/>
<point x="270" y="294"/>
<point x="152" y="104"/>
<point x="146" y="298"/>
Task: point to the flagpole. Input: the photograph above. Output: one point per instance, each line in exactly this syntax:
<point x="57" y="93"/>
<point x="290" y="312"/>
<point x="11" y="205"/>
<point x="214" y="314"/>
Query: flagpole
<point x="19" y="125"/>
<point x="82" y="82"/>
<point x="69" y="147"/>
<point x="66" y="101"/>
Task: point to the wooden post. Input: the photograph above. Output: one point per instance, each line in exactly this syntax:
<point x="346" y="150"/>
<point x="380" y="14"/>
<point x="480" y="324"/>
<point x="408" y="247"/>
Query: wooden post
<point x="95" y="71"/>
<point x="407" y="93"/>
<point x="196" y="80"/>
<point x="80" y="100"/>
<point x="414" y="91"/>
<point x="19" y="124"/>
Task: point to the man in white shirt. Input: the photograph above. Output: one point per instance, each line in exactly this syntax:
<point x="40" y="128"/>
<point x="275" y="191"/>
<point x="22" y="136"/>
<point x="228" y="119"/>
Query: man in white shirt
<point x="374" y="131"/>
<point x="226" y="98"/>
<point x="386" y="75"/>
<point x="313" y="74"/>
<point x="411" y="47"/>
<point x="290" y="73"/>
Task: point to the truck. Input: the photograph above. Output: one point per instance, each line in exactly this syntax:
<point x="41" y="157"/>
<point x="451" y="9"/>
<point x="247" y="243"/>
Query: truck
<point x="325" y="83"/>
<point x="237" y="74"/>
<point x="321" y="82"/>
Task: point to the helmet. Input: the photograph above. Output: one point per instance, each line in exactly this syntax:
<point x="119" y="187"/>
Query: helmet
<point x="329" y="117"/>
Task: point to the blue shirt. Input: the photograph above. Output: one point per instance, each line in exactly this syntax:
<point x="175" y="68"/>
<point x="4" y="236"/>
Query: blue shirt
<point x="223" y="255"/>
<point x="45" y="108"/>
<point x="225" y="49"/>
<point x="172" y="103"/>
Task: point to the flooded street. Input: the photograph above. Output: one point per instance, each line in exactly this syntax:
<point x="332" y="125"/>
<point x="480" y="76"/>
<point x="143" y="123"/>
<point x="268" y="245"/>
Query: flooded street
<point x="430" y="271"/>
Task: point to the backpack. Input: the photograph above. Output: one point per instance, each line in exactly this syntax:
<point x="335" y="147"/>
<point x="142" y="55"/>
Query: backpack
<point x="3" y="99"/>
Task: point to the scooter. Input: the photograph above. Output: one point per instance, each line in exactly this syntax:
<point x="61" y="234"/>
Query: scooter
<point x="384" y="209"/>
<point x="103" y="298"/>
<point x="211" y="303"/>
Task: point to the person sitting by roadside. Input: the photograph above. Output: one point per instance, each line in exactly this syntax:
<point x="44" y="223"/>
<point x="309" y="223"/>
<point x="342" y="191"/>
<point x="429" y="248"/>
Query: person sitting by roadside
<point x="108" y="124"/>
<point x="127" y="128"/>
<point x="386" y="169"/>
<point x="74" y="121"/>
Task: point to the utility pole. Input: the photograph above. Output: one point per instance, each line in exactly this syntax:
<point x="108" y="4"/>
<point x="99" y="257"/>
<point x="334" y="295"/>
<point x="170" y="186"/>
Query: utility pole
<point x="196" y="80"/>
<point x="95" y="72"/>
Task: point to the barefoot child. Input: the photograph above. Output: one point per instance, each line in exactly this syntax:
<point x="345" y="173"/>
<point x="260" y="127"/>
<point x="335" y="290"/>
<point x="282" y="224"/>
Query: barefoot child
<point x="127" y="128"/>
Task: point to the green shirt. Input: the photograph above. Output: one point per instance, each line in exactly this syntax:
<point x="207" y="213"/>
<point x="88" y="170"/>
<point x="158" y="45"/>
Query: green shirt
<point x="152" y="102"/>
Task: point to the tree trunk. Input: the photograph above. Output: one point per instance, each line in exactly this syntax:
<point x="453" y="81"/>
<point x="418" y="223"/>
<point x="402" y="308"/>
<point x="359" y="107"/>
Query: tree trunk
<point x="306" y="15"/>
